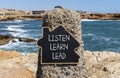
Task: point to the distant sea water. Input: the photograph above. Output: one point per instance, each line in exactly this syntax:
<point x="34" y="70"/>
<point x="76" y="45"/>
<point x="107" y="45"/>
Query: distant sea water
<point x="98" y="35"/>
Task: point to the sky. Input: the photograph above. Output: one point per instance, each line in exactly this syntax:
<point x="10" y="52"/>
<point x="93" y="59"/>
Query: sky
<point x="103" y="6"/>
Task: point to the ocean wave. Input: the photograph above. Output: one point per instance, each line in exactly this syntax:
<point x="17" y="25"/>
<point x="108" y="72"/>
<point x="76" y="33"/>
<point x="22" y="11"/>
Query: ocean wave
<point x="18" y="21"/>
<point x="19" y="46"/>
<point x="12" y="21"/>
<point x="10" y="44"/>
<point x="97" y="20"/>
<point x="115" y="41"/>
<point x="24" y="36"/>
<point x="18" y="31"/>
<point x="89" y="34"/>
<point x="90" y="20"/>
<point x="95" y="37"/>
<point x="101" y="38"/>
<point x="15" y="28"/>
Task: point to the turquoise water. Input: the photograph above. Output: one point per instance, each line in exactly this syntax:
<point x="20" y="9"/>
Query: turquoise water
<point x="101" y="35"/>
<point x="97" y="35"/>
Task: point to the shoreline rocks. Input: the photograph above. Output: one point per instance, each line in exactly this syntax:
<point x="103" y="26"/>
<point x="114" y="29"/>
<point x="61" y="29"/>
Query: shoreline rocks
<point x="4" y="39"/>
<point x="103" y="64"/>
<point x="13" y="65"/>
<point x="96" y="16"/>
<point x="99" y="64"/>
<point x="19" y="17"/>
<point x="26" y="40"/>
<point x="101" y="16"/>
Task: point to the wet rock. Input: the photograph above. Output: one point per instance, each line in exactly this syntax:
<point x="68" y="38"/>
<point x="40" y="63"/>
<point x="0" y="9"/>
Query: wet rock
<point x="26" y="40"/>
<point x="15" y="65"/>
<point x="4" y="39"/>
<point x="14" y="41"/>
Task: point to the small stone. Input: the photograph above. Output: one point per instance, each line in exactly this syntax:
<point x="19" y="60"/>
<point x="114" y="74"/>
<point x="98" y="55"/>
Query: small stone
<point x="105" y="69"/>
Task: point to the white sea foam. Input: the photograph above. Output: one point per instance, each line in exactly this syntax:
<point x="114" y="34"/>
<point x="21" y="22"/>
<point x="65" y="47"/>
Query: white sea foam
<point x="12" y="21"/>
<point x="16" y="40"/>
<point x="17" y="46"/>
<point x="89" y="34"/>
<point x="10" y="45"/>
<point x="13" y="28"/>
<point x="18" y="21"/>
<point x="90" y="20"/>
<point x="17" y="31"/>
<point x="95" y="37"/>
<point x="97" y="20"/>
<point x="24" y="35"/>
<point x="101" y="38"/>
<point x="115" y="41"/>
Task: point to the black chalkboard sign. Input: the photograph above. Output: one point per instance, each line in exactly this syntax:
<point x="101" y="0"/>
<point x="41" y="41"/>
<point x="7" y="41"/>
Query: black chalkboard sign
<point x="58" y="47"/>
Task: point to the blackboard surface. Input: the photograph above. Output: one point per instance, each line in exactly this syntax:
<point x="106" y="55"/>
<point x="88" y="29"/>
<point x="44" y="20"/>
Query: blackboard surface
<point x="58" y="47"/>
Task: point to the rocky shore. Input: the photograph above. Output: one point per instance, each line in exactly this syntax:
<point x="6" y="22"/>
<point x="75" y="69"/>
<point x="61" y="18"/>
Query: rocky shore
<point x="4" y="39"/>
<point x="96" y="16"/>
<point x="12" y="14"/>
<point x="20" y="17"/>
<point x="101" y="16"/>
<point x="99" y="64"/>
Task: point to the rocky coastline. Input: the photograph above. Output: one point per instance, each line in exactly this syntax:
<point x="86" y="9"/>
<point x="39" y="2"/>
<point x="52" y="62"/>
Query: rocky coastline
<point x="99" y="64"/>
<point x="4" y="39"/>
<point x="20" y="17"/>
<point x="95" y="16"/>
<point x="101" y="16"/>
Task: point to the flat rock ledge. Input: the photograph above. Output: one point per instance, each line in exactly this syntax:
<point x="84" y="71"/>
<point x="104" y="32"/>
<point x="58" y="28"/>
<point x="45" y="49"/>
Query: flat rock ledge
<point x="98" y="64"/>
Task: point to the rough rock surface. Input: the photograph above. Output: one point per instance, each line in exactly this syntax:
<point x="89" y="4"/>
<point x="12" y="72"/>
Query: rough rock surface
<point x="70" y="20"/>
<point x="4" y="39"/>
<point x="98" y="64"/>
<point x="102" y="64"/>
<point x="7" y="55"/>
<point x="16" y="65"/>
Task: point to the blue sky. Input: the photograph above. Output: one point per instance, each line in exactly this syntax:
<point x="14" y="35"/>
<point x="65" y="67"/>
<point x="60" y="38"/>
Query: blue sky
<point x="85" y="5"/>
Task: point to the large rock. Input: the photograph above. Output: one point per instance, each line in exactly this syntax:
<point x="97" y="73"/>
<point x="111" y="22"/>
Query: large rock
<point x="102" y="64"/>
<point x="70" y="20"/>
<point x="4" y="39"/>
<point x="15" y="65"/>
<point x="8" y="54"/>
<point x="98" y="64"/>
<point x="26" y="40"/>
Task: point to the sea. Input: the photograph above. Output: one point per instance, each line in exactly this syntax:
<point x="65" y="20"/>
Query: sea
<point x="97" y="35"/>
